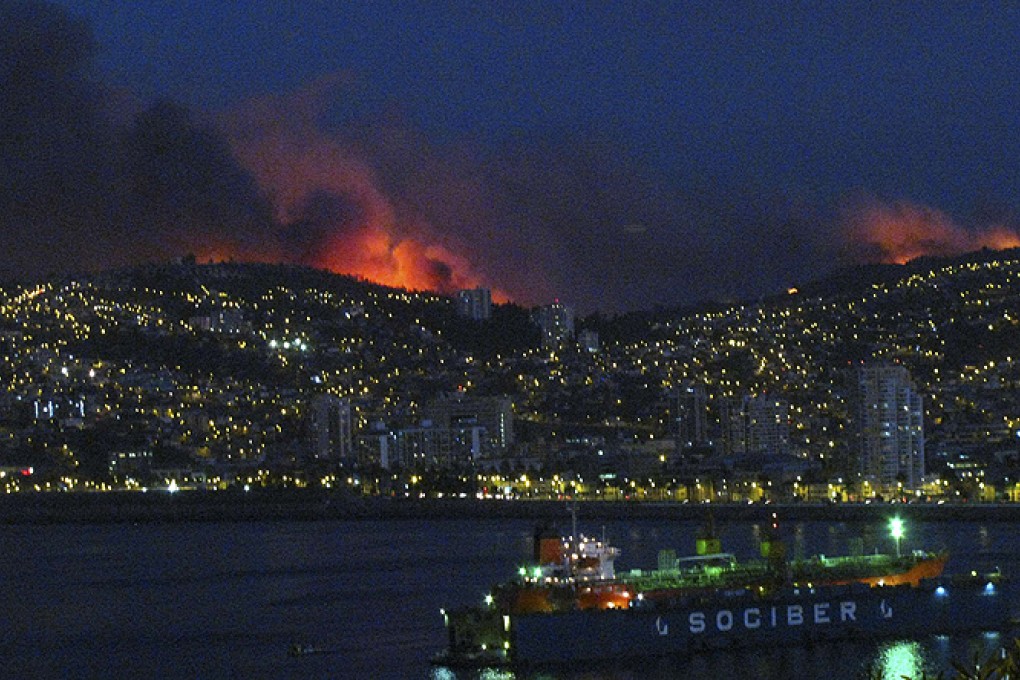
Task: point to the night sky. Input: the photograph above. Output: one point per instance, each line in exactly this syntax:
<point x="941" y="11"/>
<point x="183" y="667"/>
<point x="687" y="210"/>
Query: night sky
<point x="613" y="155"/>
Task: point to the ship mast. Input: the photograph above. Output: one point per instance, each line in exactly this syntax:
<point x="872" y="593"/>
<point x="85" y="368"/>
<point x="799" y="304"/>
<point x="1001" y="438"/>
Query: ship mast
<point x="774" y="551"/>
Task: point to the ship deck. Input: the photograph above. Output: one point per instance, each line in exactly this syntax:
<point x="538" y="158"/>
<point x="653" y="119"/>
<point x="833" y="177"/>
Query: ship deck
<point x="752" y="574"/>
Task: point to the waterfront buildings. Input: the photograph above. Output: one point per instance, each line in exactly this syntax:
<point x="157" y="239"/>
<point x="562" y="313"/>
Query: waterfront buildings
<point x="454" y="429"/>
<point x="422" y="447"/>
<point x="458" y="410"/>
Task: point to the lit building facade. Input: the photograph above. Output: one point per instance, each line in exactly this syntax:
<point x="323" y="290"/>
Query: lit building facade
<point x="733" y="426"/>
<point x="755" y="425"/>
<point x="475" y="303"/>
<point x="768" y="425"/>
<point x="690" y="416"/>
<point x="422" y="447"/>
<point x="890" y="428"/>
<point x="556" y="322"/>
<point x="329" y="428"/>
<point x="460" y="412"/>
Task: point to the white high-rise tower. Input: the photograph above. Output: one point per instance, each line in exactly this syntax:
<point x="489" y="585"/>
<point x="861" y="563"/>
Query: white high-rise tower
<point x="891" y="427"/>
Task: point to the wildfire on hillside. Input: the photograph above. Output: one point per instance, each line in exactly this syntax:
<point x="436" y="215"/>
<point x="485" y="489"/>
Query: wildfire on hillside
<point x="334" y="209"/>
<point x="899" y="232"/>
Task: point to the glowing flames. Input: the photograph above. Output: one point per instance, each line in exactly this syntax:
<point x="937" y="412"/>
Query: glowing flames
<point x="334" y="210"/>
<point x="373" y="254"/>
<point x="899" y="232"/>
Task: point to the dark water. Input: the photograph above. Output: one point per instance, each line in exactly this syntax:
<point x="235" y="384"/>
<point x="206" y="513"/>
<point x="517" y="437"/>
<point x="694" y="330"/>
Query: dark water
<point x="225" y="600"/>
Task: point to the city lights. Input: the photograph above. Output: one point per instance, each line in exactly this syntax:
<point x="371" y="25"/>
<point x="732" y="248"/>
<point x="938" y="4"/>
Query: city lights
<point x="238" y="410"/>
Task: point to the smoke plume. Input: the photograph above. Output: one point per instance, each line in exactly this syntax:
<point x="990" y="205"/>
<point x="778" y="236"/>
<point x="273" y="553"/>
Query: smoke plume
<point x="86" y="182"/>
<point x="331" y="206"/>
<point x="895" y="233"/>
<point x="92" y="178"/>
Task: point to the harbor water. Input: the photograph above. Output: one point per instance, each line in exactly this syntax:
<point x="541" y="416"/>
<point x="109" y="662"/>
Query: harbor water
<point x="228" y="600"/>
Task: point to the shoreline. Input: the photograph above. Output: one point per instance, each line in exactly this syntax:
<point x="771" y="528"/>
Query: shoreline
<point x="324" y="505"/>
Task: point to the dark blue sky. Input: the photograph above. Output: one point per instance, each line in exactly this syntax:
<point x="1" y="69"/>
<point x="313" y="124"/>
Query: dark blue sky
<point x="918" y="100"/>
<point x="715" y="127"/>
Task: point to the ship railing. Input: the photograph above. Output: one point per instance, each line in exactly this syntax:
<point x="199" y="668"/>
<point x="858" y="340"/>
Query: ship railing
<point x="750" y="574"/>
<point x="852" y="566"/>
<point x="714" y="560"/>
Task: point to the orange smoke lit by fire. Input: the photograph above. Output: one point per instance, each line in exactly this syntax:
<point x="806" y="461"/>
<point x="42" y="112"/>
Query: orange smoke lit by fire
<point x="217" y="250"/>
<point x="901" y="232"/>
<point x="375" y="255"/>
<point x="370" y="253"/>
<point x="359" y="229"/>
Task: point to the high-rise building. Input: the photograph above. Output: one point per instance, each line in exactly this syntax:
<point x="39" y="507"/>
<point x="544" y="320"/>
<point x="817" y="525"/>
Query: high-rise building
<point x="755" y="425"/>
<point x="690" y="416"/>
<point x="557" y="324"/>
<point x="733" y="426"/>
<point x="768" y="425"/>
<point x="475" y="303"/>
<point x="890" y="427"/>
<point x="329" y="428"/>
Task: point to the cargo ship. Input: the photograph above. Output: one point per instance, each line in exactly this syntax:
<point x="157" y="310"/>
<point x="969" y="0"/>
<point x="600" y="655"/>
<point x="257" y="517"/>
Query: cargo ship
<point x="572" y="605"/>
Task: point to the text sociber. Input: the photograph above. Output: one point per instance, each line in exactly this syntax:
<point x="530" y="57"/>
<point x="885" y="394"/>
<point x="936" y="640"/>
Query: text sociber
<point x="819" y="613"/>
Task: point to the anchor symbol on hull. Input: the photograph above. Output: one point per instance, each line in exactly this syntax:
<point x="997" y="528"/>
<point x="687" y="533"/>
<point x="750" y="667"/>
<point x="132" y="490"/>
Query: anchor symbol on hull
<point x="662" y="627"/>
<point x="886" y="609"/>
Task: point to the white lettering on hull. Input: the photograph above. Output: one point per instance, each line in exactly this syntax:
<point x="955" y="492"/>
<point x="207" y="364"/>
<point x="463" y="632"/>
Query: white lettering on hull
<point x="661" y="626"/>
<point x="791" y="615"/>
<point x="752" y="618"/>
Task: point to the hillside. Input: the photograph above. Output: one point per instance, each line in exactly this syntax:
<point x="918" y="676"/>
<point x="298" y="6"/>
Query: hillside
<point x="219" y="362"/>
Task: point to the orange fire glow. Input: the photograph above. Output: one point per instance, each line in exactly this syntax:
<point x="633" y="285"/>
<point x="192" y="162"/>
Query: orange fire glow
<point x="213" y="250"/>
<point x="372" y="254"/>
<point x="900" y="232"/>
<point x="373" y="235"/>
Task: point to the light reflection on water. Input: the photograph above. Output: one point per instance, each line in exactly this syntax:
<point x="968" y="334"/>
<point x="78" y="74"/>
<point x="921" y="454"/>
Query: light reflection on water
<point x="496" y="674"/>
<point x="900" y="659"/>
<point x="877" y="660"/>
<point x="443" y="673"/>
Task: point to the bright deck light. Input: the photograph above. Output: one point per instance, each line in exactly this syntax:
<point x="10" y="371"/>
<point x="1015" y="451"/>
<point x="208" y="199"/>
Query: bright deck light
<point x="896" y="529"/>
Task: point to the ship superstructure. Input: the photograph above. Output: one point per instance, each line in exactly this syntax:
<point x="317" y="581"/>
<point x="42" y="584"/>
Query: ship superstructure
<point x="573" y="605"/>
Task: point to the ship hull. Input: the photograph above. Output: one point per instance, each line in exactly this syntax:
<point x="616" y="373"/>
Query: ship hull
<point x="741" y="619"/>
